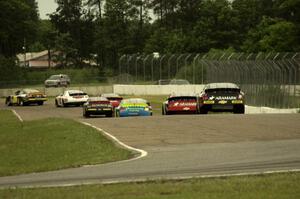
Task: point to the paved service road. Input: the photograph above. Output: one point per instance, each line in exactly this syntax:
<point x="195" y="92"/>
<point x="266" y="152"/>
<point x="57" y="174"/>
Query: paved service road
<point x="179" y="146"/>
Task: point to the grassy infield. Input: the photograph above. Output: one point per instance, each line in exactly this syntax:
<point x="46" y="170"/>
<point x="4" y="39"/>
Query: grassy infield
<point x="55" y="144"/>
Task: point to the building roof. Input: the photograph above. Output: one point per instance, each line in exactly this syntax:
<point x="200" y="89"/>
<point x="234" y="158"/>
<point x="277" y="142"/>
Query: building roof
<point x="32" y="55"/>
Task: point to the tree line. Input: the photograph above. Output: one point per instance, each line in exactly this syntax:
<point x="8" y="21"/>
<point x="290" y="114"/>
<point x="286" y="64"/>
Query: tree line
<point x="104" y="30"/>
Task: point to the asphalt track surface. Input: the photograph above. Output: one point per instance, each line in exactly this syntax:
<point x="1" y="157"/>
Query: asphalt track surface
<point x="178" y="146"/>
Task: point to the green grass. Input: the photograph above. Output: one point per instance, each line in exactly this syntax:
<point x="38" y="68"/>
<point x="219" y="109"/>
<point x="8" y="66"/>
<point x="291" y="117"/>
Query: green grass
<point x="281" y="186"/>
<point x="51" y="144"/>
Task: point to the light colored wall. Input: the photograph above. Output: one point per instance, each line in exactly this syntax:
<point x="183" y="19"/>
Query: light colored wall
<point x="157" y="89"/>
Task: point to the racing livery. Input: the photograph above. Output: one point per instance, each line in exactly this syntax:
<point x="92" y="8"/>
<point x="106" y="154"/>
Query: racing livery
<point x="114" y="99"/>
<point x="25" y="97"/>
<point x="133" y="107"/>
<point x="180" y="104"/>
<point x="71" y="97"/>
<point x="221" y="97"/>
<point x="97" y="106"/>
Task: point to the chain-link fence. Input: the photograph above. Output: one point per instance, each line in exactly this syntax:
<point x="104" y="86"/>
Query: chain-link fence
<point x="268" y="79"/>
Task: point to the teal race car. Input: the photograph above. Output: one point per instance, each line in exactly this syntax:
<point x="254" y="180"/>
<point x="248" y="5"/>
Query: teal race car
<point x="133" y="107"/>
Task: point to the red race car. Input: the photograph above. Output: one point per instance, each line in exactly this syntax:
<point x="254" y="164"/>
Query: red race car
<point x="180" y="104"/>
<point x="114" y="99"/>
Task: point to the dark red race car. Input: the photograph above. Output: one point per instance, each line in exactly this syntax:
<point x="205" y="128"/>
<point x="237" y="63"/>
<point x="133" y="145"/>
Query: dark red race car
<point x="114" y="99"/>
<point x="180" y="104"/>
<point x="98" y="106"/>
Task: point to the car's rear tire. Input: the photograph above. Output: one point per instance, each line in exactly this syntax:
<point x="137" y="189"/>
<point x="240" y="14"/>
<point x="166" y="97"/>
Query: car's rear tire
<point x="56" y="103"/>
<point x="64" y="104"/>
<point x="86" y="114"/>
<point x="40" y="103"/>
<point x="109" y="115"/>
<point x="8" y="102"/>
<point x="239" y="110"/>
<point x="203" y="110"/>
<point x="164" y="111"/>
<point x="21" y="102"/>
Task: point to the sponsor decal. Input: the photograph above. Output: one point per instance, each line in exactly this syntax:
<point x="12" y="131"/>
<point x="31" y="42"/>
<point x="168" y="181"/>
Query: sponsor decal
<point x="208" y="102"/>
<point x="237" y="101"/>
<point x="186" y="108"/>
<point x="185" y="104"/>
<point x="223" y="102"/>
<point x="225" y="97"/>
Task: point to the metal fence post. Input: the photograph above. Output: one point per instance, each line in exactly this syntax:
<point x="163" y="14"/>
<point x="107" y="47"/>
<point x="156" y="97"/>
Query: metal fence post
<point x="144" y="66"/>
<point x="169" y="67"/>
<point x="194" y="66"/>
<point x="160" y="66"/>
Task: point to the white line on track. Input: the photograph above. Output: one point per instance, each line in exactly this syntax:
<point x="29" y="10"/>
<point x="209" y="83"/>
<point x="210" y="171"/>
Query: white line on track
<point x="17" y="115"/>
<point x="140" y="151"/>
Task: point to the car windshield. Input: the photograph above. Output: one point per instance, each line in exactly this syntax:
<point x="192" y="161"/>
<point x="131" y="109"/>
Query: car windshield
<point x="134" y="101"/>
<point x="76" y="93"/>
<point x="55" y="77"/>
<point x="114" y="98"/>
<point x="222" y="90"/>
<point x="30" y="91"/>
<point x="221" y="86"/>
<point x="186" y="99"/>
<point x="110" y="95"/>
<point x="97" y="99"/>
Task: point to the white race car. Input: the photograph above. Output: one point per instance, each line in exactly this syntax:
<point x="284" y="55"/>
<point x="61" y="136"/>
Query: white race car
<point x="71" y="97"/>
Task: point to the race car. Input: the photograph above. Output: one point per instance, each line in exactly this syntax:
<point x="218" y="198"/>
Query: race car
<point x="25" y="97"/>
<point x="180" y="104"/>
<point x="71" y="97"/>
<point x="98" y="106"/>
<point x="114" y="99"/>
<point x="221" y="97"/>
<point x="133" y="107"/>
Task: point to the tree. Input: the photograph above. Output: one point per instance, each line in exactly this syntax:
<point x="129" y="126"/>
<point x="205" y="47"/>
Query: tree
<point x="289" y="10"/>
<point x="73" y="20"/>
<point x="216" y="27"/>
<point x="18" y="19"/>
<point x="273" y="35"/>
<point x="96" y="5"/>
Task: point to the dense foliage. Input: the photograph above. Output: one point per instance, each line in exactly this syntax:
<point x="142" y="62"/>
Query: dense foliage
<point x="103" y="30"/>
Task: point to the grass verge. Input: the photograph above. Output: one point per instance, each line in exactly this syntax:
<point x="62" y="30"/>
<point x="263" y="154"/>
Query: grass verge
<point x="243" y="187"/>
<point x="51" y="144"/>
